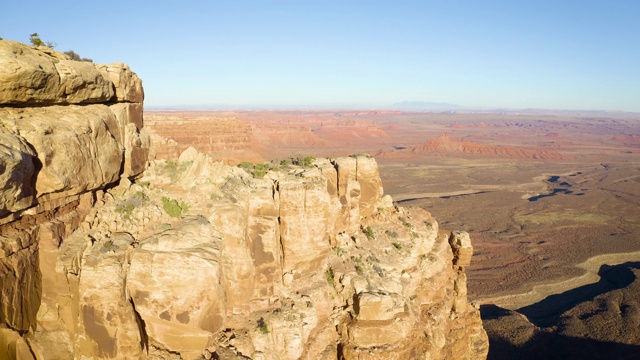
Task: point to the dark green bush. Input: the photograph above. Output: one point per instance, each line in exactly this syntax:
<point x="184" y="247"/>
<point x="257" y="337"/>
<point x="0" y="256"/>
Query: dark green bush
<point x="262" y="325"/>
<point x="35" y="40"/>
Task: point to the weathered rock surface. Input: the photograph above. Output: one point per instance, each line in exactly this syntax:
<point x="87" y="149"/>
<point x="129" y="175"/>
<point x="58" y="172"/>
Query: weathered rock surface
<point x="84" y="134"/>
<point x="198" y="260"/>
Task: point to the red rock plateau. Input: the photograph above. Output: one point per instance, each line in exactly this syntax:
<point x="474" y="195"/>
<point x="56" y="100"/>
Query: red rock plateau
<point x="445" y="146"/>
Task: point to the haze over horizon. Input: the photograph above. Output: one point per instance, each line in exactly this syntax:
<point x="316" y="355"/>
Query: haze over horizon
<point x="579" y="55"/>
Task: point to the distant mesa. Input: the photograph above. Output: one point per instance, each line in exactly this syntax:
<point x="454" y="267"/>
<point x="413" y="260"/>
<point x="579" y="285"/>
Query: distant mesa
<point x="628" y="138"/>
<point x="480" y="125"/>
<point x="444" y="145"/>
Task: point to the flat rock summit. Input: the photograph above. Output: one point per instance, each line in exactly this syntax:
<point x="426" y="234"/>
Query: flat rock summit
<point x="108" y="253"/>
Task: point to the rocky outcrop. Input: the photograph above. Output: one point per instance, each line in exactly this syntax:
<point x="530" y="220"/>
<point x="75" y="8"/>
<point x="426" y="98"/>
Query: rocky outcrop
<point x="68" y="130"/>
<point x="193" y="259"/>
<point x="84" y="134"/>
<point x="200" y="260"/>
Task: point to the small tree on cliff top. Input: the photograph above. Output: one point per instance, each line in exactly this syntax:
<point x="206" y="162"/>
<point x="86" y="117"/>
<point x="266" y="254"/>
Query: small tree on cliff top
<point x="35" y="40"/>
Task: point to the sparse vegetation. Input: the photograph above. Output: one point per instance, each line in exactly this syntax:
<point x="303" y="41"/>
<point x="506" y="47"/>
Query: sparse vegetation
<point x="257" y="170"/>
<point x="329" y="275"/>
<point x="391" y="234"/>
<point x="125" y="210"/>
<point x="339" y="251"/>
<point x="108" y="246"/>
<point x="262" y="326"/>
<point x="378" y="270"/>
<point x="304" y="161"/>
<point x="174" y="208"/>
<point x="397" y="245"/>
<point x="260" y="170"/>
<point x="35" y="40"/>
<point x="75" y="56"/>
<point x="368" y="231"/>
<point x="360" y="155"/>
<point x="163" y="227"/>
<point x="126" y="207"/>
<point x="174" y="169"/>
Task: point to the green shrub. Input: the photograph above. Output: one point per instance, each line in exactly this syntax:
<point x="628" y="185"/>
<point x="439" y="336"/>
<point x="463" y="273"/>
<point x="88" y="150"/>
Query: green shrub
<point x="108" y="246"/>
<point x="378" y="270"/>
<point x="397" y="245"/>
<point x="257" y="170"/>
<point x="174" y="169"/>
<point x="304" y="161"/>
<point x="329" y="275"/>
<point x="339" y="251"/>
<point x="35" y="40"/>
<point x="73" y="55"/>
<point x="260" y="170"/>
<point x="125" y="210"/>
<point x="174" y="208"/>
<point x="262" y="326"/>
<point x="126" y="207"/>
<point x="369" y="232"/>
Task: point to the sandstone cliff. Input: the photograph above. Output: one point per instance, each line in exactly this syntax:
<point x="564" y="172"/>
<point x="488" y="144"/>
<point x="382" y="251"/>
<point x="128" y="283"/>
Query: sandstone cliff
<point x="194" y="259"/>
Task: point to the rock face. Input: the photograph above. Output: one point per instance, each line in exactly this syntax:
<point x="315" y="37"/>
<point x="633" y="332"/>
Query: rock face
<point x="198" y="260"/>
<point x="68" y="129"/>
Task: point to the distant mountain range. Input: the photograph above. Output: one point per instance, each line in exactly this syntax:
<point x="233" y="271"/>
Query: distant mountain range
<point x="425" y="105"/>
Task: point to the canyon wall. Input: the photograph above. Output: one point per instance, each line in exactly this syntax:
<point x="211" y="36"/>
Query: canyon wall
<point x="108" y="256"/>
<point x="68" y="130"/>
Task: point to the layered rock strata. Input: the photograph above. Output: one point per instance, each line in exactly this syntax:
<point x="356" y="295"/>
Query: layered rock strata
<point x="68" y="130"/>
<point x="193" y="259"/>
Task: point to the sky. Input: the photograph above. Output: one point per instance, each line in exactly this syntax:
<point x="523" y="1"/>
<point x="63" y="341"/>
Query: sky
<point x="550" y="54"/>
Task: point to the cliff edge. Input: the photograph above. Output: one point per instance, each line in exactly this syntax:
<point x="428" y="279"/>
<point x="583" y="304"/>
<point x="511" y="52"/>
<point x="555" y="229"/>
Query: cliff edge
<point x="108" y="255"/>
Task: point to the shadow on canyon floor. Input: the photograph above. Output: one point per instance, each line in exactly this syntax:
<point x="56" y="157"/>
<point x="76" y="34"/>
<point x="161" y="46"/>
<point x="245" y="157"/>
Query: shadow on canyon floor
<point x="547" y="311"/>
<point x="531" y="332"/>
<point x="551" y="346"/>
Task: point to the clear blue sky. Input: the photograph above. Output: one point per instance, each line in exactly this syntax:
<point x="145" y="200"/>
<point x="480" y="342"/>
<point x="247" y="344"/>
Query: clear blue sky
<point x="558" y="54"/>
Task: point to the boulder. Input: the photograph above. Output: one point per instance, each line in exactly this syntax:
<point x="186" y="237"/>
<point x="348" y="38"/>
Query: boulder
<point x="17" y="173"/>
<point x="75" y="150"/>
<point x="27" y="76"/>
<point x="128" y="85"/>
<point x="181" y="308"/>
<point x="462" y="248"/>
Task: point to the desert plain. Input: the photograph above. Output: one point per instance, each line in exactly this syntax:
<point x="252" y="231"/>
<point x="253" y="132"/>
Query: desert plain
<point x="551" y="200"/>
